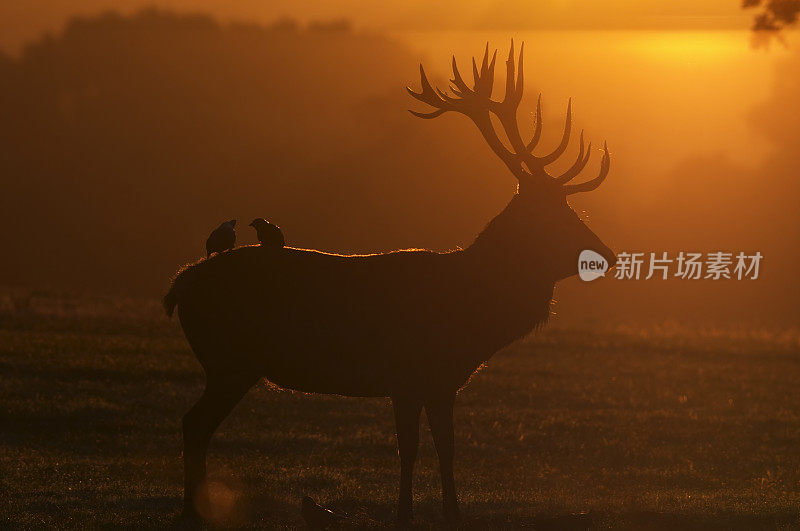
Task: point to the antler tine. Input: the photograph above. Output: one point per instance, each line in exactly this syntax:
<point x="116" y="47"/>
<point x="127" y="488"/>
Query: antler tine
<point x="443" y="94"/>
<point x="456" y="92"/>
<point x="428" y="115"/>
<point x="428" y="95"/>
<point x="514" y="82"/>
<point x="458" y="81"/>
<point x="578" y="165"/>
<point x="537" y="132"/>
<point x="519" y="72"/>
<point x="490" y="76"/>
<point x="485" y="80"/>
<point x="588" y="186"/>
<point x="511" y="88"/>
<point x="552" y="157"/>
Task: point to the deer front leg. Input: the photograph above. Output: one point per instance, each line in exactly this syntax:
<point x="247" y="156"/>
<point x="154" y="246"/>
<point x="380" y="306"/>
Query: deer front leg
<point x="406" y="416"/>
<point x="440" y="418"/>
<point x="219" y="398"/>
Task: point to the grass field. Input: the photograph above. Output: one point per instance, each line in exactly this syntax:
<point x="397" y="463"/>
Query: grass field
<point x="647" y="428"/>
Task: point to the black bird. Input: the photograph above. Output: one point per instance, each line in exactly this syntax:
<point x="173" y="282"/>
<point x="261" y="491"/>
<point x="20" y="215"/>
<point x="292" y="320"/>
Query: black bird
<point x="222" y="238"/>
<point x="268" y="234"/>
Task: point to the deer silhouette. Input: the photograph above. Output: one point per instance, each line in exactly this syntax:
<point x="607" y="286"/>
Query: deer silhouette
<point x="411" y="325"/>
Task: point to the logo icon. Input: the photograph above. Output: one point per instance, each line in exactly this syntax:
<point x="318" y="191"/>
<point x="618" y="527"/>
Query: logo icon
<point x="591" y="265"/>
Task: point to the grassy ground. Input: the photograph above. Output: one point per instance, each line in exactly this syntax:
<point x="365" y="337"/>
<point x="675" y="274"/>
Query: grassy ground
<point x="663" y="428"/>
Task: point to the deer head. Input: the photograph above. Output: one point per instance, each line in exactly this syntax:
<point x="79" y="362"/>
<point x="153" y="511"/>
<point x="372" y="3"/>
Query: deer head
<point x="539" y="212"/>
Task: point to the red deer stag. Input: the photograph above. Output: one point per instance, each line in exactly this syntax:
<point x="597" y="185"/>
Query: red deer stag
<point x="411" y="325"/>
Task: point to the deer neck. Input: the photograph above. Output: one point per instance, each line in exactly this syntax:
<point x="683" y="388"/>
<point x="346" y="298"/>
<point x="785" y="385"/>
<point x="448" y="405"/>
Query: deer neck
<point x="505" y="247"/>
<point x="508" y="290"/>
<point x="508" y="266"/>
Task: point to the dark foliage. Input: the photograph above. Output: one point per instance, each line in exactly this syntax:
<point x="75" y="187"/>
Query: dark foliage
<point x="126" y="137"/>
<point x="773" y="15"/>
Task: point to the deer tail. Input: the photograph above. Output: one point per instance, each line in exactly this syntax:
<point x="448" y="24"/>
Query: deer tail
<point x="170" y="300"/>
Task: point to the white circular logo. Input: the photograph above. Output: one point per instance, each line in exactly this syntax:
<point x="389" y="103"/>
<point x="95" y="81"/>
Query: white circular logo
<point x="591" y="265"/>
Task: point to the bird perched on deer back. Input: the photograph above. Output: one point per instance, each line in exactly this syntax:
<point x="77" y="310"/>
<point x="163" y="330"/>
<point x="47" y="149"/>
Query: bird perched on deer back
<point x="268" y="234"/>
<point x="222" y="238"/>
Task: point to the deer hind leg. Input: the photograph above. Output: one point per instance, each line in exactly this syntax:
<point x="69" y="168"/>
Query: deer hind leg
<point x="406" y="416"/>
<point x="440" y="417"/>
<point x="220" y="396"/>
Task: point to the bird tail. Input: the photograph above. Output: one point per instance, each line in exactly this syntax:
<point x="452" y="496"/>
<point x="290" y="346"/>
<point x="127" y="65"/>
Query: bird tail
<point x="170" y="300"/>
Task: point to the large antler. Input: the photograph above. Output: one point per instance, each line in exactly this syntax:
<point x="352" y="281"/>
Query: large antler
<point x="478" y="105"/>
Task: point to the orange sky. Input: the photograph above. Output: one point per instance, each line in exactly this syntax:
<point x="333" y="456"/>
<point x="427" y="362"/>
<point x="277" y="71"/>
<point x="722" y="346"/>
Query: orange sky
<point x="22" y="21"/>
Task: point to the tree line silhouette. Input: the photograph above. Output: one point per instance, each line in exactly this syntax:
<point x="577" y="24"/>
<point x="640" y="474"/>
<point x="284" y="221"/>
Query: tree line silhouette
<point x="127" y="138"/>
